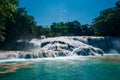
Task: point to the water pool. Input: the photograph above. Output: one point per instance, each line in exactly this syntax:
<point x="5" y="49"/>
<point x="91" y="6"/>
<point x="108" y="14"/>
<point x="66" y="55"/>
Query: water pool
<point x="66" y="68"/>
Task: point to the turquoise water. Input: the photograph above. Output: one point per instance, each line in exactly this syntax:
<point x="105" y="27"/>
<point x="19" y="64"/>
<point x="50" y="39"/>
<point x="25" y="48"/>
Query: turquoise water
<point x="77" y="68"/>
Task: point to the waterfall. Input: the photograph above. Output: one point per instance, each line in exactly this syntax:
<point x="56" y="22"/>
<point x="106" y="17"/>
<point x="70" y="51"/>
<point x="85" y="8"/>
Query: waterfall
<point x="54" y="47"/>
<point x="32" y="54"/>
<point x="66" y="46"/>
<point x="107" y="44"/>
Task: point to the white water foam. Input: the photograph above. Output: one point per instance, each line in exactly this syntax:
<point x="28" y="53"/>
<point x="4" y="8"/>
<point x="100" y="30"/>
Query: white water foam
<point x="43" y="59"/>
<point x="61" y="47"/>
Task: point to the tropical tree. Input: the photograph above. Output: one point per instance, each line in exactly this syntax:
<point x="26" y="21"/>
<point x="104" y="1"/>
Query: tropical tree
<point x="108" y="23"/>
<point x="22" y="26"/>
<point x="7" y="7"/>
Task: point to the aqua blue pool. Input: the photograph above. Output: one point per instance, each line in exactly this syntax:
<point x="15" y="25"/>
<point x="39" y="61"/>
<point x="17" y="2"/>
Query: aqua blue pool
<point x="73" y="68"/>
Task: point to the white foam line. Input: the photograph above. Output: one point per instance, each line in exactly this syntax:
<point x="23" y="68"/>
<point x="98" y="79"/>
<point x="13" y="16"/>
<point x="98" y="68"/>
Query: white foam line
<point x="111" y="54"/>
<point x="39" y="59"/>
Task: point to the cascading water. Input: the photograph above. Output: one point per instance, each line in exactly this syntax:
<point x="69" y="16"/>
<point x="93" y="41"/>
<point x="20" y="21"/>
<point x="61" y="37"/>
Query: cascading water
<point x="55" y="47"/>
<point x="107" y="44"/>
<point x="65" y="46"/>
